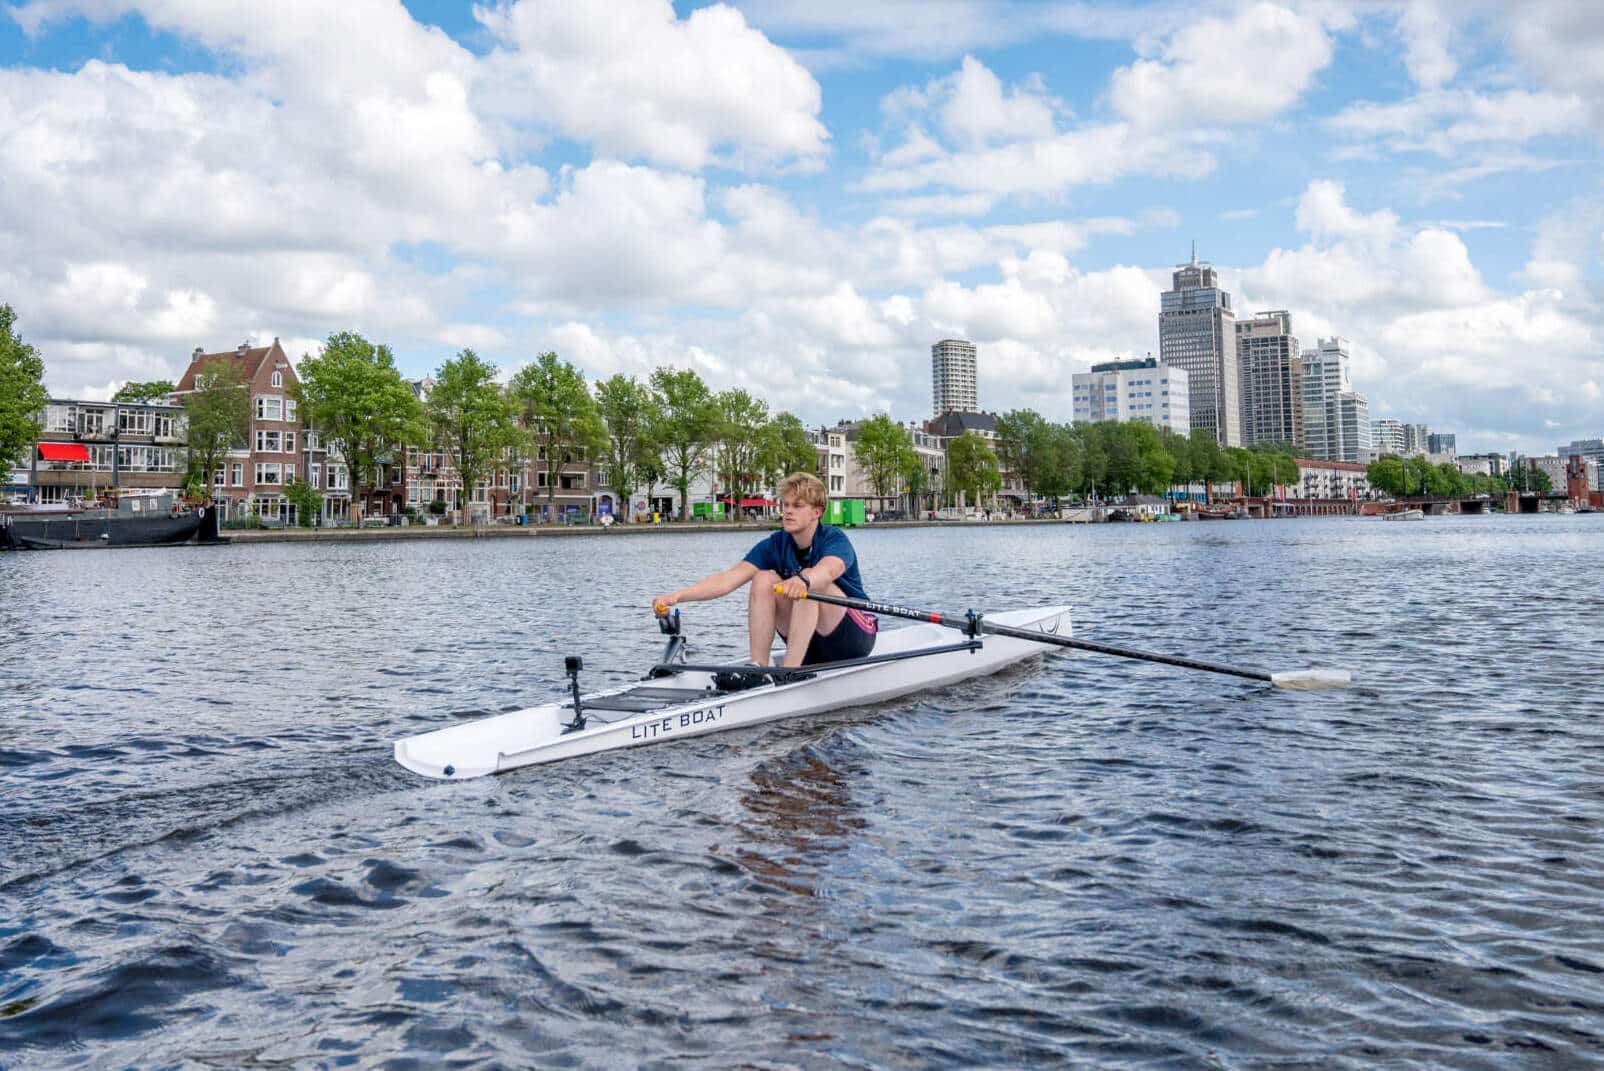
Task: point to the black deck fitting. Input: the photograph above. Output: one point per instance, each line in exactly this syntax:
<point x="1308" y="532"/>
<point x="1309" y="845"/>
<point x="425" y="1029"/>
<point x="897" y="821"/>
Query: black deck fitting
<point x="572" y="665"/>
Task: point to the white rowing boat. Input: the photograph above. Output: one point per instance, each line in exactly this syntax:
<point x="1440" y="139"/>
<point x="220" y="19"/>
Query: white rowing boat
<point x="681" y="700"/>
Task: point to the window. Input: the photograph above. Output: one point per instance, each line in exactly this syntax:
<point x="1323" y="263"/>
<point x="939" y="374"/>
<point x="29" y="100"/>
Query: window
<point x="267" y="442"/>
<point x="268" y="472"/>
<point x="269" y="407"/>
<point x="289" y="409"/>
<point x="314" y="473"/>
<point x="289" y="442"/>
<point x="136" y="421"/>
<point x="278" y="378"/>
<point x="162" y="425"/>
<point x="237" y="474"/>
<point x="217" y="480"/>
<point x="289" y="473"/>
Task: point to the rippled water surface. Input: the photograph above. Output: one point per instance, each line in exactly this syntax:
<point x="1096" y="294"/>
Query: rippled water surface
<point x="209" y="859"/>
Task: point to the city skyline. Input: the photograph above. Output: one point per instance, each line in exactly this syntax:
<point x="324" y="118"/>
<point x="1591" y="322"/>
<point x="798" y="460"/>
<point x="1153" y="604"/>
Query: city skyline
<point x="802" y="199"/>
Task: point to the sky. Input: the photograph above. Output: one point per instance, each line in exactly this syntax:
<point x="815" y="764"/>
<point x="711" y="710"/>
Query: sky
<point x="799" y="198"/>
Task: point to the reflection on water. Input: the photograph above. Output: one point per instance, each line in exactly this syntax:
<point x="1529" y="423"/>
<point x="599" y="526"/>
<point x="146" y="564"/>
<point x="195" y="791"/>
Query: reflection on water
<point x="802" y="809"/>
<point x="208" y="859"/>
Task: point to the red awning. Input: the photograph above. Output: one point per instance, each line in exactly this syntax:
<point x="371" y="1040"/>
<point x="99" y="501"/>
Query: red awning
<point x="63" y="452"/>
<point x="753" y="503"/>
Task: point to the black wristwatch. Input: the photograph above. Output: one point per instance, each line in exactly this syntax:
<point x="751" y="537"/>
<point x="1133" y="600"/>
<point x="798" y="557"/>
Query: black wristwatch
<point x="800" y="575"/>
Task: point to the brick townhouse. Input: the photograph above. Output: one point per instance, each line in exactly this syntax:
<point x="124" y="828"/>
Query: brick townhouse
<point x="278" y="446"/>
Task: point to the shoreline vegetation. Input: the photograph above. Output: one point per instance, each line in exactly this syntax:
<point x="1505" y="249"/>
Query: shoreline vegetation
<point x="511" y="531"/>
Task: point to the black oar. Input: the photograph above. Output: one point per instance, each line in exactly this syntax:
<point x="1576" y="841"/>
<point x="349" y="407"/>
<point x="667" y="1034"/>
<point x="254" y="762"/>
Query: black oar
<point x="972" y="623"/>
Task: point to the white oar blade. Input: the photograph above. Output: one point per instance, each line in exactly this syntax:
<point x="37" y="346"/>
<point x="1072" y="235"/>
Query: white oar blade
<point x="1312" y="680"/>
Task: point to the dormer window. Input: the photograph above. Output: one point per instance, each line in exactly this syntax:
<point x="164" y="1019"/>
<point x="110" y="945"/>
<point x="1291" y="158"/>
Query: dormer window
<point x="278" y="378"/>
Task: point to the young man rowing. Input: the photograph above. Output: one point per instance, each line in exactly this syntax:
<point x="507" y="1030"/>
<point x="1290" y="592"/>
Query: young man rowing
<point x="803" y="556"/>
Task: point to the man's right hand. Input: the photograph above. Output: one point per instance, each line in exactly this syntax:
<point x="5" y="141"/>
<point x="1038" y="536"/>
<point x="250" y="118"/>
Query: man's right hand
<point x="663" y="603"/>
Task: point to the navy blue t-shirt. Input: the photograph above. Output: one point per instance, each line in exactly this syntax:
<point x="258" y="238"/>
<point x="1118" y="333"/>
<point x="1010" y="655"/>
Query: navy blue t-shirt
<point x="780" y="553"/>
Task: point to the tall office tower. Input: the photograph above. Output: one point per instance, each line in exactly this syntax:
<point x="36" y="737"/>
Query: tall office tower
<point x="1325" y="379"/>
<point x="1414" y="440"/>
<point x="1271" y="367"/>
<point x="1197" y="334"/>
<point x="952" y="377"/>
<point x="1387" y="436"/>
<point x="1441" y="443"/>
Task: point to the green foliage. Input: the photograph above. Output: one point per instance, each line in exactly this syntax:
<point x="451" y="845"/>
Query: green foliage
<point x="361" y="407"/>
<point x="686" y="426"/>
<point x="307" y="500"/>
<point x="629" y="411"/>
<point x="22" y="392"/>
<point x="437" y="507"/>
<point x="741" y="421"/>
<point x="472" y="417"/>
<point x="972" y="467"/>
<point x="559" y="415"/>
<point x="786" y="449"/>
<point x="884" y="451"/>
<point x="143" y="392"/>
<point x="218" y="416"/>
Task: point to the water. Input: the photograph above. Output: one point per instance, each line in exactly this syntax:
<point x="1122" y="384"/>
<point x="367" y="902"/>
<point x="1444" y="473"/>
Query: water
<point x="208" y="858"/>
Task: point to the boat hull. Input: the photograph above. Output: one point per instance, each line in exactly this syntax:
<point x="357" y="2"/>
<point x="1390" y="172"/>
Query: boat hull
<point x="98" y="528"/>
<point x="534" y="736"/>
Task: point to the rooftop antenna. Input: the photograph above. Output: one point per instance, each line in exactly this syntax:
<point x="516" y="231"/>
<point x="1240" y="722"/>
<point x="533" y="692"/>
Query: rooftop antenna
<point x="1194" y="252"/>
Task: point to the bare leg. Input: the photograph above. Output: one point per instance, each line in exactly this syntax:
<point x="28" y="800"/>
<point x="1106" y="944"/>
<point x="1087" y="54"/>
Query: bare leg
<point x="808" y="619"/>
<point x="760" y="615"/>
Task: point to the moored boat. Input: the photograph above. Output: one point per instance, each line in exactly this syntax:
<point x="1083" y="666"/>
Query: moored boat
<point x="136" y="522"/>
<point x="1404" y="515"/>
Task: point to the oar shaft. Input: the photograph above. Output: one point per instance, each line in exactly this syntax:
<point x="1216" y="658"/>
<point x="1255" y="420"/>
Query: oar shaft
<point x="961" y="622"/>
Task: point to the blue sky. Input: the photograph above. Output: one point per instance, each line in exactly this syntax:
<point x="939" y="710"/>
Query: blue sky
<point x="799" y="198"/>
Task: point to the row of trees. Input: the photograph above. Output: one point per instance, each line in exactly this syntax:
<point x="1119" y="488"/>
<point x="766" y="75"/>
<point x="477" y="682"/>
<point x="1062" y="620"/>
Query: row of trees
<point x="1416" y="476"/>
<point x="665" y="431"/>
<point x="1053" y="461"/>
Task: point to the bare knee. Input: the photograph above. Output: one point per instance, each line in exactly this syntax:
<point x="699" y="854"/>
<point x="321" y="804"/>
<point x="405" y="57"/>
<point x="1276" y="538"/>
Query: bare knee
<point x="763" y="585"/>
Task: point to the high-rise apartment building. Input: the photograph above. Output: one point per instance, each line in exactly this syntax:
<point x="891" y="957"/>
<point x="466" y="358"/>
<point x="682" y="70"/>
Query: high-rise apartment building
<point x="952" y="377"/>
<point x="1336" y="419"/>
<point x="1414" y="440"/>
<point x="1133" y="390"/>
<point x="1441" y="442"/>
<point x="1387" y="436"/>
<point x="1270" y="363"/>
<point x="1197" y="334"/>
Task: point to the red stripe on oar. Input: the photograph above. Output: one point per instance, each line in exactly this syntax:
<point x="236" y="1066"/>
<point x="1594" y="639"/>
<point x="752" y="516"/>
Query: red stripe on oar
<point x="935" y="619"/>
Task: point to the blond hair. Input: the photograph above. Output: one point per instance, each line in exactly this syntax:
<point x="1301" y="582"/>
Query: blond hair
<point x="803" y="487"/>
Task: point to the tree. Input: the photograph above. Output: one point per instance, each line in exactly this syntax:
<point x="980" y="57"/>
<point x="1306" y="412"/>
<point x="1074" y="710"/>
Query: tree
<point x="307" y="500"/>
<point x="628" y="410"/>
<point x="143" y="392"/>
<point x="218" y="415"/>
<point x="972" y="466"/>
<point x="884" y="450"/>
<point x="741" y="419"/>
<point x="360" y="406"/>
<point x="786" y="449"/>
<point x="22" y="392"/>
<point x="685" y="428"/>
<point x="472" y="419"/>
<point x="1015" y="440"/>
<point x="915" y="480"/>
<point x="559" y="416"/>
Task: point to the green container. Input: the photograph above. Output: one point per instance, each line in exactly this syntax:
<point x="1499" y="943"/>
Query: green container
<point x="847" y="512"/>
<point x="705" y="510"/>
